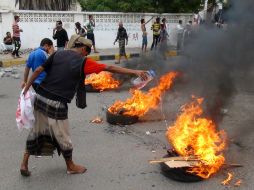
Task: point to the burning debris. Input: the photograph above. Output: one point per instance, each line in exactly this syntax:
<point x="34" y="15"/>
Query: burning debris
<point x="141" y="102"/>
<point x="238" y="183"/>
<point x="128" y="112"/>
<point x="97" y="120"/>
<point x="228" y="179"/>
<point x="102" y="81"/>
<point x="195" y="135"/>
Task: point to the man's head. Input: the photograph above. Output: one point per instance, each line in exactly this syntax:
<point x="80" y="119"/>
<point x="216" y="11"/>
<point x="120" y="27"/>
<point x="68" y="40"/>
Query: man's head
<point x="8" y="34"/>
<point x="47" y="44"/>
<point x="80" y="44"/>
<point x="158" y="19"/>
<point x="16" y="18"/>
<point x="163" y="20"/>
<point x="59" y="24"/>
<point x="120" y="24"/>
<point x="180" y="22"/>
<point x="90" y="17"/>
<point x="142" y="21"/>
<point x="78" y="25"/>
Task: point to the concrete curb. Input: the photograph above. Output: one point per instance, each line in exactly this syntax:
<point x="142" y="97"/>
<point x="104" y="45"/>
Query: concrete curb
<point x="20" y="61"/>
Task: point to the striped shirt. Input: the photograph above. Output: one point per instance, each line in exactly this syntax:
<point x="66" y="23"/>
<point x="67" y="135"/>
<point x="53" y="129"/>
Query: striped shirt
<point x="15" y="29"/>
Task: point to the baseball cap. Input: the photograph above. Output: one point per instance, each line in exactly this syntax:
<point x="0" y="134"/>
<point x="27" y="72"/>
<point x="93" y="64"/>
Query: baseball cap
<point x="78" y="41"/>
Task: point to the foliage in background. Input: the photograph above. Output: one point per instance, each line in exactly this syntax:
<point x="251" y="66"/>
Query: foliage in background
<point x="160" y="6"/>
<point x="56" y="5"/>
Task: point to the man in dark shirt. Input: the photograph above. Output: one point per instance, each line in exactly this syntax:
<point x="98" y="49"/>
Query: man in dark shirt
<point x="60" y="35"/>
<point x="65" y="70"/>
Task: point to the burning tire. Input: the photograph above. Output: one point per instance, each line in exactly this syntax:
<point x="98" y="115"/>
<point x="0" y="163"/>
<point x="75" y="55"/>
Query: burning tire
<point x="89" y="88"/>
<point x="120" y="119"/>
<point x="178" y="174"/>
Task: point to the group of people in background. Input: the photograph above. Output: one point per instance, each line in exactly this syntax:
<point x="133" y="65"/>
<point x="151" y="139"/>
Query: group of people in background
<point x="160" y="33"/>
<point x="13" y="43"/>
<point x="159" y="29"/>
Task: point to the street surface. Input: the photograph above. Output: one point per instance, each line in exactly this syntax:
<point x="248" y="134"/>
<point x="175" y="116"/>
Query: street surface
<point x="117" y="157"/>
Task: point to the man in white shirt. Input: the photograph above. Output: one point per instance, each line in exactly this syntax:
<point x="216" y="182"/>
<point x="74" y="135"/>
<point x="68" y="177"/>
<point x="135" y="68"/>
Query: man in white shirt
<point x="180" y="30"/>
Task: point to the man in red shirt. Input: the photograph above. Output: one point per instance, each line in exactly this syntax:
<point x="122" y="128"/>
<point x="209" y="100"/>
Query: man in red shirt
<point x="16" y="37"/>
<point x="65" y="70"/>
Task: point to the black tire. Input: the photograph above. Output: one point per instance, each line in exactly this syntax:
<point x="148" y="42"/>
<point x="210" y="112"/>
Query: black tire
<point x="119" y="119"/>
<point x="178" y="174"/>
<point x="89" y="88"/>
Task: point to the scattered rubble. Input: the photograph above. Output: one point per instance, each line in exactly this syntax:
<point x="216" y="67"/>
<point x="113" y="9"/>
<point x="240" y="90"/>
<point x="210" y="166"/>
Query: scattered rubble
<point x="12" y="72"/>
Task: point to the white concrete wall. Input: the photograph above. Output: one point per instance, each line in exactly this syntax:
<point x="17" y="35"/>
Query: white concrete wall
<point x="8" y="5"/>
<point x="39" y="24"/>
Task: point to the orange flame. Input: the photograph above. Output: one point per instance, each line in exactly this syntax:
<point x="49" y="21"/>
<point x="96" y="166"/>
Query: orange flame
<point x="228" y="179"/>
<point x="141" y="102"/>
<point x="102" y="81"/>
<point x="194" y="135"/>
<point x="238" y="183"/>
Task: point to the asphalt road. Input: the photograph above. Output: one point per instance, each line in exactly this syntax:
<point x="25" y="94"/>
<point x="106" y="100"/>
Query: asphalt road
<point x="117" y="157"/>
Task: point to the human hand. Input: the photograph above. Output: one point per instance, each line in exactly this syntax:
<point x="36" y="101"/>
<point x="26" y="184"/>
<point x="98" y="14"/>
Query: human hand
<point x="20" y="30"/>
<point x="142" y="74"/>
<point x="25" y="90"/>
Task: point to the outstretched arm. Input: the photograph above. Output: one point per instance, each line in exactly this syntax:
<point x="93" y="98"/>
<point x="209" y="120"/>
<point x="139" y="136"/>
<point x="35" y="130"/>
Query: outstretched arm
<point x="122" y="70"/>
<point x="149" y="19"/>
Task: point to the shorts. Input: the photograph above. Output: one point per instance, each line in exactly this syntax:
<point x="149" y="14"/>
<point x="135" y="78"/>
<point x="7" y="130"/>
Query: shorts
<point x="90" y="36"/>
<point x="144" y="41"/>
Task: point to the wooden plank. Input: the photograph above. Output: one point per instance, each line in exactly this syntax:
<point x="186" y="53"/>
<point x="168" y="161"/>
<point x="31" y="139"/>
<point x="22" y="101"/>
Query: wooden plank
<point x="177" y="158"/>
<point x="181" y="164"/>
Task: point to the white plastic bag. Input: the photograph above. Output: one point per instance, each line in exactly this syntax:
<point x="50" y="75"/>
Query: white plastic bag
<point x="24" y="114"/>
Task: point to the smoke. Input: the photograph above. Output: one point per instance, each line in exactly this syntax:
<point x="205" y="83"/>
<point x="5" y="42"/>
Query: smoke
<point x="215" y="59"/>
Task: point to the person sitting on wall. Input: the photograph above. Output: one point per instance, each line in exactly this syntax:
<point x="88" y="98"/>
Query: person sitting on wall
<point x="7" y="46"/>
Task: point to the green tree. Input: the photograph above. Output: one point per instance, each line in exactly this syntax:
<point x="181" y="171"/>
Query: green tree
<point x="58" y="5"/>
<point x="170" y="6"/>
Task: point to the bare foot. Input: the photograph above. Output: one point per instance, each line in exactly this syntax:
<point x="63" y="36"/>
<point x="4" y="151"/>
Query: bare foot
<point x="75" y="169"/>
<point x="24" y="170"/>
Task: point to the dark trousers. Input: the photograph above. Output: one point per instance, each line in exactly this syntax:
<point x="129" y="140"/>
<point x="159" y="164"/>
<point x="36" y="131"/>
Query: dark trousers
<point x="155" y="41"/>
<point x="35" y="86"/>
<point x="17" y="45"/>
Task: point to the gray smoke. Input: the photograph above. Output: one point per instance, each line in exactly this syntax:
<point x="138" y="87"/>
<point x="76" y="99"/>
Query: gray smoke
<point x="215" y="61"/>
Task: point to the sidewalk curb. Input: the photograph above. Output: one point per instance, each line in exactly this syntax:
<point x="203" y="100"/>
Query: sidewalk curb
<point x="14" y="62"/>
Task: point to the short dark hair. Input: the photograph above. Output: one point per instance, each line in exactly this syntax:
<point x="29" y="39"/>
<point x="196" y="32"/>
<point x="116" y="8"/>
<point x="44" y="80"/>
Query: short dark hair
<point x="16" y="17"/>
<point x="142" y="21"/>
<point x="89" y="16"/>
<point x="7" y="33"/>
<point x="163" y="20"/>
<point x="59" y="22"/>
<point x="77" y="24"/>
<point x="46" y="41"/>
<point x="180" y="21"/>
<point x="158" y="19"/>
